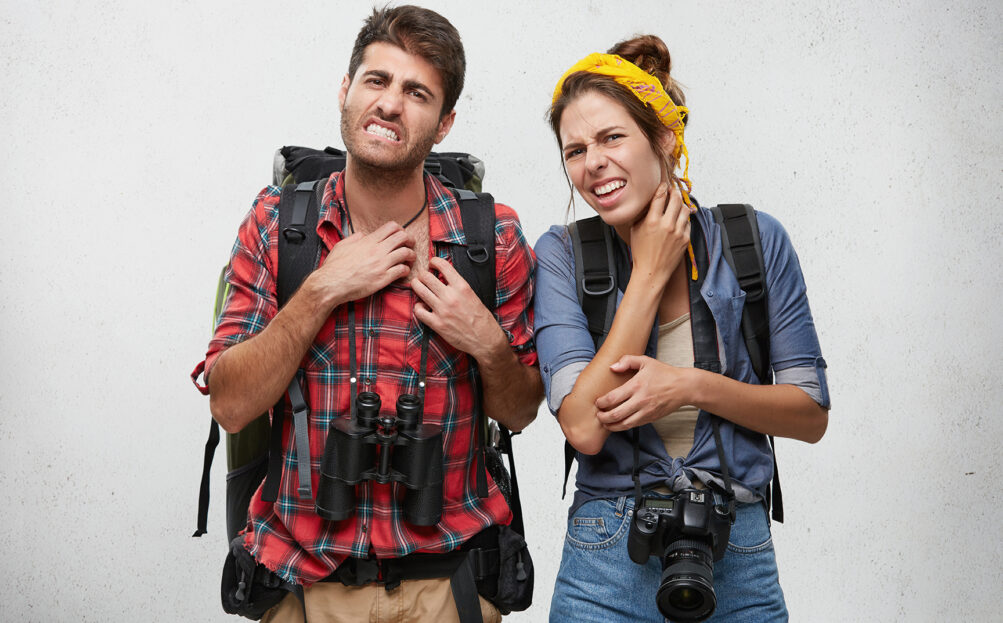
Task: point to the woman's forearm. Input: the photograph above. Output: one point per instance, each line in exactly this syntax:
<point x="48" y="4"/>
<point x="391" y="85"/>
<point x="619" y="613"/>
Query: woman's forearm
<point x="628" y="336"/>
<point x="780" y="410"/>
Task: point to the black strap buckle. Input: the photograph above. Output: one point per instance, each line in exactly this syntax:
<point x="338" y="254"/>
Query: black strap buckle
<point x="477" y="254"/>
<point x="293" y="235"/>
<point x="598" y="285"/>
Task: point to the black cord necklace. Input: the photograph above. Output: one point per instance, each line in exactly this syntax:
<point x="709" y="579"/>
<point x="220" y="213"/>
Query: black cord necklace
<point x="414" y="218"/>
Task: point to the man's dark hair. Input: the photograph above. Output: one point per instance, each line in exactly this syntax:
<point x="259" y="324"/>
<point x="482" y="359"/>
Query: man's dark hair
<point x="420" y="32"/>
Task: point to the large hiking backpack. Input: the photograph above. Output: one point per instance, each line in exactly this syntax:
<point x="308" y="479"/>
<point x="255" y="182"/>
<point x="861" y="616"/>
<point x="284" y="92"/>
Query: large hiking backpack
<point x="597" y="276"/>
<point x="254" y="454"/>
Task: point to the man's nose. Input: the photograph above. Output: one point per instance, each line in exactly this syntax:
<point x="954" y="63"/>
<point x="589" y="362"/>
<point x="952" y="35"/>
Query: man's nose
<point x="391" y="103"/>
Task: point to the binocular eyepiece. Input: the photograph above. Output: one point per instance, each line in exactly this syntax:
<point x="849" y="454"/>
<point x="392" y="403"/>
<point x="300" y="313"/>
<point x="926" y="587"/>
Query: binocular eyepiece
<point x="384" y="449"/>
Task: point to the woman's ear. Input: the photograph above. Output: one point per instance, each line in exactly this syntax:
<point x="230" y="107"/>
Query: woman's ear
<point x="667" y="141"/>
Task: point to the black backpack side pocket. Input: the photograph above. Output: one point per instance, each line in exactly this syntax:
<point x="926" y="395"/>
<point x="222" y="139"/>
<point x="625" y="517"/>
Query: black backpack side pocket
<point x="249" y="588"/>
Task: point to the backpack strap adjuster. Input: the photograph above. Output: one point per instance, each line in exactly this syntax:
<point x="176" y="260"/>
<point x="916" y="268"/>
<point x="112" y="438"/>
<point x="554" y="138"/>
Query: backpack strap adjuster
<point x="598" y="285"/>
<point x="293" y="235"/>
<point x="478" y="254"/>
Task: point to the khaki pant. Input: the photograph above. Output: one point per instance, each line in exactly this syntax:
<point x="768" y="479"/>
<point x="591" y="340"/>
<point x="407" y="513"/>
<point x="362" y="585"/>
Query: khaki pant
<point x="414" y="601"/>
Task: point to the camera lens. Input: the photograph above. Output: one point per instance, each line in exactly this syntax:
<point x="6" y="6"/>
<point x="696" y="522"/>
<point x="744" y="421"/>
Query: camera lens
<point x="687" y="589"/>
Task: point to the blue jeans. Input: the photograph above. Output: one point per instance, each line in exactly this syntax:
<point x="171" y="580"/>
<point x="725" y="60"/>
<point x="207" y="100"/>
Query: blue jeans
<point x="599" y="582"/>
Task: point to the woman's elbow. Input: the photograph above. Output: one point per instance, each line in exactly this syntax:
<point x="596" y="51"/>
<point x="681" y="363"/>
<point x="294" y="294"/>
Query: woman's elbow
<point x="582" y="440"/>
<point x="819" y="424"/>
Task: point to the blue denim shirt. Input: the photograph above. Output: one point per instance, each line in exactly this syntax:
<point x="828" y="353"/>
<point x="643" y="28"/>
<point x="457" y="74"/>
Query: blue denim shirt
<point x="565" y="348"/>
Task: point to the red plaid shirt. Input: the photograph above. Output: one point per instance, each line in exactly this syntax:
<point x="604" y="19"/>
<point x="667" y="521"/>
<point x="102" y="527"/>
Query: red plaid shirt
<point x="288" y="536"/>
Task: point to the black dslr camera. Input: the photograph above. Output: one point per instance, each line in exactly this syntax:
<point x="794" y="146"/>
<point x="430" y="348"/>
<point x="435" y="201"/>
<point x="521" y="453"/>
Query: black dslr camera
<point x="688" y="531"/>
<point x="384" y="449"/>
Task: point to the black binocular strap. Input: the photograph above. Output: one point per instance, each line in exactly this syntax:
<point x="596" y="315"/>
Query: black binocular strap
<point x="353" y="364"/>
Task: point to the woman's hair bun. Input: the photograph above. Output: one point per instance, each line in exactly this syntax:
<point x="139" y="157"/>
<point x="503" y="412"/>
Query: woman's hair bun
<point x="651" y="54"/>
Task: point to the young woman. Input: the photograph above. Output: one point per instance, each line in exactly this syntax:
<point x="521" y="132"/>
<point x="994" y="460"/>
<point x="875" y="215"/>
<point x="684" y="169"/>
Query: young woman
<point x="619" y="120"/>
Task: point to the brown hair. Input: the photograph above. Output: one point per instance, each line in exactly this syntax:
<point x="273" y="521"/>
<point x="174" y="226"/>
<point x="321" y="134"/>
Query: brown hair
<point x="420" y="32"/>
<point x="649" y="53"/>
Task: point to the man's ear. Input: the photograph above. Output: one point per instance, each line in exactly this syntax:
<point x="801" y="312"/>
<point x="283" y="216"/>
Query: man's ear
<point x="343" y="91"/>
<point x="445" y="124"/>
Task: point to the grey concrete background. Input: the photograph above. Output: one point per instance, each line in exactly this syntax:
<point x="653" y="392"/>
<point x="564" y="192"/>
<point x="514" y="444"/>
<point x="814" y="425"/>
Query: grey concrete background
<point x="136" y="135"/>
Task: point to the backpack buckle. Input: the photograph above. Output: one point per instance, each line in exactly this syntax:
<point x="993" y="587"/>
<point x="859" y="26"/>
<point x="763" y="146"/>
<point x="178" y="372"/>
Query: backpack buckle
<point x="598" y="285"/>
<point x="293" y="235"/>
<point x="478" y="254"/>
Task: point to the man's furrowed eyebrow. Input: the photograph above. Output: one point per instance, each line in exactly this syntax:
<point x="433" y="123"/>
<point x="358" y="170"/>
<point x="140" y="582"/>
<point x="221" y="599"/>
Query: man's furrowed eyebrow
<point x="378" y="73"/>
<point x="410" y="85"/>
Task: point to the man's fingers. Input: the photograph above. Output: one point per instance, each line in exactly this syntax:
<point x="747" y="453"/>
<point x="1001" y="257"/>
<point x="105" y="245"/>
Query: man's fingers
<point x="402" y="255"/>
<point x="432" y="283"/>
<point x="421" y="288"/>
<point x="387" y="230"/>
<point x="445" y="269"/>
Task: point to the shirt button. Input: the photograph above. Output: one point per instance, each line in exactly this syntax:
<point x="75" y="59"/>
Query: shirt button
<point x="710" y="293"/>
<point x="372" y="333"/>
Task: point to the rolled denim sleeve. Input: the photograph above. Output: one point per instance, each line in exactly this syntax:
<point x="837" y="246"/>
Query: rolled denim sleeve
<point x="794" y="349"/>
<point x="563" y="342"/>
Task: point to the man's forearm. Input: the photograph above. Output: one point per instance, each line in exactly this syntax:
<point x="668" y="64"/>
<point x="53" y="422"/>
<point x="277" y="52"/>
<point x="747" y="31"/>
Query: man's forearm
<point x="512" y="390"/>
<point x="249" y="377"/>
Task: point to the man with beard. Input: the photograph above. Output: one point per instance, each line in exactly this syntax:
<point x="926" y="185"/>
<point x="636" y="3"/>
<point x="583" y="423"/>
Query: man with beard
<point x="384" y="274"/>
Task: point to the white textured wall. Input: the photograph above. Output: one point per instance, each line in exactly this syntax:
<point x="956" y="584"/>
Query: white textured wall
<point x="135" y="136"/>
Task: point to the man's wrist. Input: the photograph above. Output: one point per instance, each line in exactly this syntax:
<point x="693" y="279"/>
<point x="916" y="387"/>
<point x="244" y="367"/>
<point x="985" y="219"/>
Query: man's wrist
<point x="321" y="299"/>
<point x="495" y="349"/>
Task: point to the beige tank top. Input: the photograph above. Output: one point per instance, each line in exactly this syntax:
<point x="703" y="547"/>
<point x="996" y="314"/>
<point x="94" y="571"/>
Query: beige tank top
<point x="675" y="348"/>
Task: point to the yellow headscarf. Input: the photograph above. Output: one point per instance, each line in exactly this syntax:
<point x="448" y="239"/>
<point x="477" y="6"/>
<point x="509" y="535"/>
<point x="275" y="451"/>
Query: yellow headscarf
<point x="650" y="91"/>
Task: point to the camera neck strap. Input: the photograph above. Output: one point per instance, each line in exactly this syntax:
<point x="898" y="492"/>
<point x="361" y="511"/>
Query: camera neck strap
<point x="353" y="365"/>
<point x="705" y="350"/>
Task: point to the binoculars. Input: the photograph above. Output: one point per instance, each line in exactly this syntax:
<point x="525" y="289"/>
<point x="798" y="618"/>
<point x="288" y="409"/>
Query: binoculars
<point x="384" y="449"/>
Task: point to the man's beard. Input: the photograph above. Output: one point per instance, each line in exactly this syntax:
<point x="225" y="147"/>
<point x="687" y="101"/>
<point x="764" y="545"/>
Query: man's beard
<point x="373" y="166"/>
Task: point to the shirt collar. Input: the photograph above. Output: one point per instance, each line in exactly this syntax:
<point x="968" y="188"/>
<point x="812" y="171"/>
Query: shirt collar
<point x="444" y="221"/>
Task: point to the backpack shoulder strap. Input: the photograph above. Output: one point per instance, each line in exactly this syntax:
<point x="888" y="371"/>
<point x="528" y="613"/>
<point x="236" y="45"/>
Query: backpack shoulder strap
<point x="298" y="252"/>
<point x="476" y="264"/>
<point x="743" y="250"/>
<point x="744" y="253"/>
<point x="476" y="261"/>
<point x="596" y="286"/>
<point x="595" y="274"/>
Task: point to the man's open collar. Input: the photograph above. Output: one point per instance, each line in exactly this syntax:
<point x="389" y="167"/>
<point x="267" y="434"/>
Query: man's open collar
<point x="444" y="222"/>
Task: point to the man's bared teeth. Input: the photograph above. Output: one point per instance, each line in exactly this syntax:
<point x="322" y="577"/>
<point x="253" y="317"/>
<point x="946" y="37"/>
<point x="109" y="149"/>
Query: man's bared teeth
<point x="608" y="188"/>
<point x="379" y="130"/>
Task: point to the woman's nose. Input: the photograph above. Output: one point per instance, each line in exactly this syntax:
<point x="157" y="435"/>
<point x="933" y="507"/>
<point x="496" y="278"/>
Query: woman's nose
<point x="595" y="159"/>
